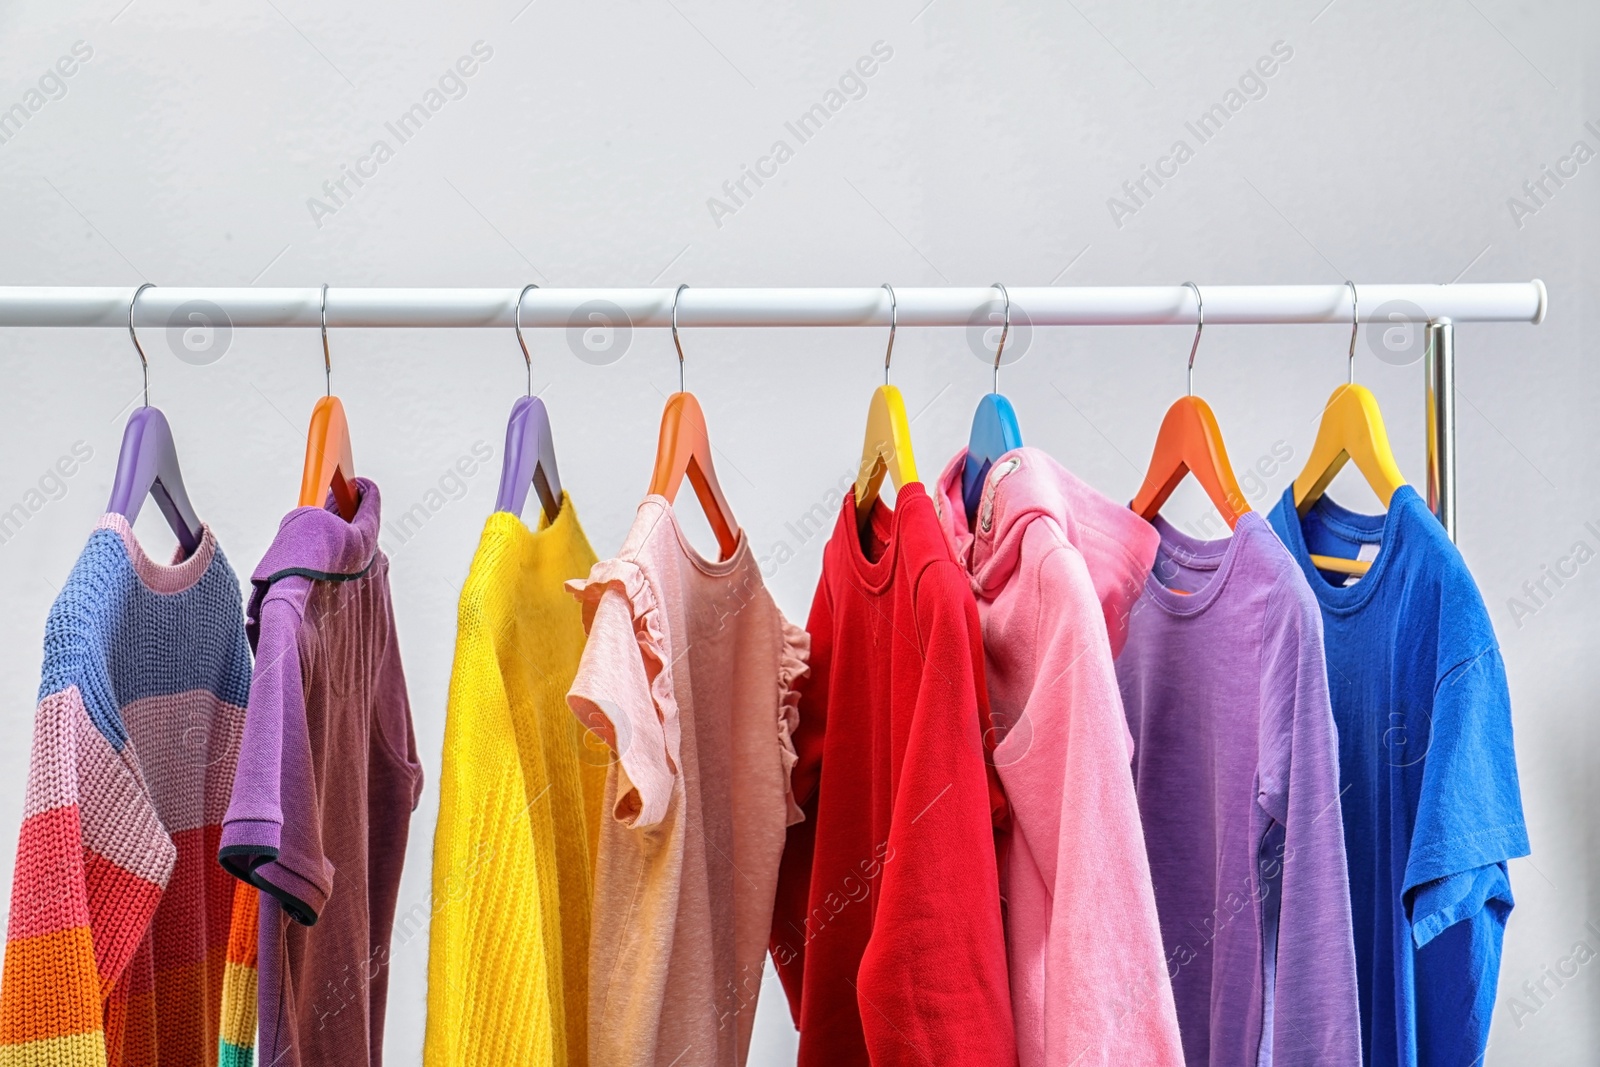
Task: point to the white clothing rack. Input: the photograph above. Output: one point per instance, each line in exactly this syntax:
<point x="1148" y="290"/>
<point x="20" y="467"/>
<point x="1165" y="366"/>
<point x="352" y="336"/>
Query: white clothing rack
<point x="1131" y="305"/>
<point x="1437" y="306"/>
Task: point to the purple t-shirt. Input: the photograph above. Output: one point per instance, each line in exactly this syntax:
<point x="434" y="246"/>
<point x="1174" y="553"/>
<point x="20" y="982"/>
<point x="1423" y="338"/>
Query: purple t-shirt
<point x="326" y="782"/>
<point x="1236" y="767"/>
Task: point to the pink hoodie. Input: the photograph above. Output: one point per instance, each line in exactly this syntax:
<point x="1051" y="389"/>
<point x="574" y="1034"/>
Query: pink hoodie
<point x="1056" y="568"/>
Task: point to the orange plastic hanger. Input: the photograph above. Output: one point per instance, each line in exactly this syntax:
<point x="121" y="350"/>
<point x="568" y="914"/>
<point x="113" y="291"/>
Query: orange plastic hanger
<point x="685" y="448"/>
<point x="1351" y="429"/>
<point x="887" y="447"/>
<point x="1190" y="442"/>
<point x="328" y="463"/>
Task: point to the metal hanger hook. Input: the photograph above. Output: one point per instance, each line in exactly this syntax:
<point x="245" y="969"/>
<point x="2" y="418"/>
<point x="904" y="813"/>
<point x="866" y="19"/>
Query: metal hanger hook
<point x="675" y="342"/>
<point x="144" y="363"/>
<point x="517" y="318"/>
<point x="1004" y="332"/>
<point x="1199" y="328"/>
<point x="894" y="323"/>
<point x="1355" y="324"/>
<point x="327" y="360"/>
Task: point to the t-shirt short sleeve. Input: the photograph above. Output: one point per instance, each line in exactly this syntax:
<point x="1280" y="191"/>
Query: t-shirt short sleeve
<point x="620" y="692"/>
<point x="1294" y="691"/>
<point x="272" y="834"/>
<point x="1469" y="812"/>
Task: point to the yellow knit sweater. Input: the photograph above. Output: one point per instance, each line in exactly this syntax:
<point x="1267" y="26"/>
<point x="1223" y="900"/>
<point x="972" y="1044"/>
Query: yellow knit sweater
<point x="520" y="798"/>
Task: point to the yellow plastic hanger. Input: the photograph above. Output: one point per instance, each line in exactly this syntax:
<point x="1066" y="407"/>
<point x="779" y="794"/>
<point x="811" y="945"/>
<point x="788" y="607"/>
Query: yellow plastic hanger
<point x="887" y="448"/>
<point x="1351" y="429"/>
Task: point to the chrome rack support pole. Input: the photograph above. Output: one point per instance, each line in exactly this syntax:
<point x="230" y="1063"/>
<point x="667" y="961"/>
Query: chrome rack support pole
<point x="1439" y="367"/>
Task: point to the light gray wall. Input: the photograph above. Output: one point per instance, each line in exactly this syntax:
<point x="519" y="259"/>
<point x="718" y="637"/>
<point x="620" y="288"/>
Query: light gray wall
<point x="584" y="152"/>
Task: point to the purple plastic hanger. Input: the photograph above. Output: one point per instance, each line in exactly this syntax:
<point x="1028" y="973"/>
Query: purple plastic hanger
<point x="530" y="459"/>
<point x="148" y="463"/>
<point x="530" y="454"/>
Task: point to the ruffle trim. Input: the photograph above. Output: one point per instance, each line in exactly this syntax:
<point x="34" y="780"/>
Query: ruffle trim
<point x="629" y="579"/>
<point x="793" y="664"/>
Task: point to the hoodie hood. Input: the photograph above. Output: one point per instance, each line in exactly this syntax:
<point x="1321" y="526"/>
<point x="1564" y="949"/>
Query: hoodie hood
<point x="1026" y="486"/>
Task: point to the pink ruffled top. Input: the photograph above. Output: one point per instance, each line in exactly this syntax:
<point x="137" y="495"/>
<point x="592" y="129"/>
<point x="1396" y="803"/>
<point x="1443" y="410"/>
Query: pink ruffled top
<point x="689" y="675"/>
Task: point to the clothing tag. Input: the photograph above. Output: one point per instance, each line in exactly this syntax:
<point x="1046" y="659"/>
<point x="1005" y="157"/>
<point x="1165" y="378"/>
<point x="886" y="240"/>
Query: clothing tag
<point x="1365" y="554"/>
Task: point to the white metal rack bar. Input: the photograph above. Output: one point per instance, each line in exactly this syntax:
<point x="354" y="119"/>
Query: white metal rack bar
<point x="1439" y="307"/>
<point x="1136" y="305"/>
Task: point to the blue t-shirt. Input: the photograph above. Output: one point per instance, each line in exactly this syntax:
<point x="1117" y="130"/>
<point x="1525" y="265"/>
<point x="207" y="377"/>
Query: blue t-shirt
<point x="1432" y="809"/>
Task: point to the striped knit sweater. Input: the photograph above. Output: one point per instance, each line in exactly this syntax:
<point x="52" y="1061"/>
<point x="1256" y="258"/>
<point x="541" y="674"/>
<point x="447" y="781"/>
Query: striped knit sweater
<point x="119" y="948"/>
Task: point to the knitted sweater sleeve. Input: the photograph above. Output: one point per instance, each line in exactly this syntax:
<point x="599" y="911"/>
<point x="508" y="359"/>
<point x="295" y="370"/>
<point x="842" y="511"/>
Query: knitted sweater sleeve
<point x="489" y="965"/>
<point x="92" y="863"/>
<point x="236" y="1039"/>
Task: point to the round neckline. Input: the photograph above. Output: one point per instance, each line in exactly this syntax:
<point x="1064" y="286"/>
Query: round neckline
<point x="162" y="579"/>
<point x="876" y="574"/>
<point x="1219" y="557"/>
<point x="712" y="568"/>
<point x="1358" y="526"/>
<point x="518" y="529"/>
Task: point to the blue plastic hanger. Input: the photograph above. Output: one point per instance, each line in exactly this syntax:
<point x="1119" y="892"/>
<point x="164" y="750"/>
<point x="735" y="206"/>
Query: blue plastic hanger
<point x="530" y="455"/>
<point x="148" y="463"/>
<point x="994" y="429"/>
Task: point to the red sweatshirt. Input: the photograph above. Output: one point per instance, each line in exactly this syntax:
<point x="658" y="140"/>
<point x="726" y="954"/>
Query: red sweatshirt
<point x="887" y="930"/>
